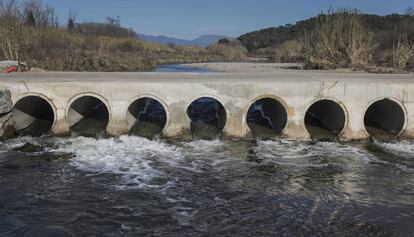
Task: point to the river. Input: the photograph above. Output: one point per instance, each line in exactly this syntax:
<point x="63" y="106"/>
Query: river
<point x="181" y="68"/>
<point x="132" y="186"/>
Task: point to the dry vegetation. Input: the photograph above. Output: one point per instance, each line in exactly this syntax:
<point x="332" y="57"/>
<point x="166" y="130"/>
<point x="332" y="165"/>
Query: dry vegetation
<point x="290" y="51"/>
<point x="30" y="33"/>
<point x="230" y="50"/>
<point x="342" y="38"/>
<point x="339" y="39"/>
<point x="403" y="51"/>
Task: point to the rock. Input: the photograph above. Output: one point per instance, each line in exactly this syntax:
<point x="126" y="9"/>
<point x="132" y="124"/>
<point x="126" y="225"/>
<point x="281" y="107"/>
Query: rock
<point x="6" y="127"/>
<point x="6" y="105"/>
<point x="36" y="69"/>
<point x="29" y="148"/>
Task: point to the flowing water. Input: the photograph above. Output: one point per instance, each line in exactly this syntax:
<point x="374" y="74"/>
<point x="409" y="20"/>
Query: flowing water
<point x="131" y="186"/>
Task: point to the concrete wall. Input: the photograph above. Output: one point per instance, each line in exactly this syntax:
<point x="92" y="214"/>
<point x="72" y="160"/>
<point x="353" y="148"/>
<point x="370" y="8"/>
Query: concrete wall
<point x="297" y="91"/>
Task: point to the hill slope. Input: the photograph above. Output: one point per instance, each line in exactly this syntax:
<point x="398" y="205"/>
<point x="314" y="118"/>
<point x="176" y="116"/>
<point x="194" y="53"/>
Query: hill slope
<point x="383" y="26"/>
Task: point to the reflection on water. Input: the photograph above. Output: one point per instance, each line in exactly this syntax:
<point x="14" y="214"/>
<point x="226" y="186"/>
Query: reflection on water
<point x="134" y="186"/>
<point x="181" y="68"/>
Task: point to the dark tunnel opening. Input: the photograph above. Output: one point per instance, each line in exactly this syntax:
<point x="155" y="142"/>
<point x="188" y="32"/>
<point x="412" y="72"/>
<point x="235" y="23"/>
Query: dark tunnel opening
<point x="267" y="118"/>
<point x="384" y="119"/>
<point x="88" y="116"/>
<point x="325" y="119"/>
<point x="146" y="117"/>
<point x="33" y="116"/>
<point x="208" y="118"/>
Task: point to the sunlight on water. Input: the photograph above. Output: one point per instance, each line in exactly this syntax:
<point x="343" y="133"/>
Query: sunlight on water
<point x="201" y="185"/>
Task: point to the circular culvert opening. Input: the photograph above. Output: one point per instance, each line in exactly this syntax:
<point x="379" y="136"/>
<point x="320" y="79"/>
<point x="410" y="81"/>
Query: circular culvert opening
<point x="384" y="119"/>
<point x="325" y="119"/>
<point x="88" y="116"/>
<point x="146" y="117"/>
<point x="267" y="118"/>
<point x="208" y="117"/>
<point x="33" y="116"/>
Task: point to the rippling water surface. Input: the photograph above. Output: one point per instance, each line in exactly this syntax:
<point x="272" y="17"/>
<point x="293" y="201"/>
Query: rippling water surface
<point x="131" y="186"/>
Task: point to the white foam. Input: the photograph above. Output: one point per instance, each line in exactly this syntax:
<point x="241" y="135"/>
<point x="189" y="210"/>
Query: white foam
<point x="205" y="145"/>
<point x="138" y="161"/>
<point x="131" y="157"/>
<point x="305" y="155"/>
<point x="202" y="153"/>
<point x="400" y="148"/>
<point x="11" y="144"/>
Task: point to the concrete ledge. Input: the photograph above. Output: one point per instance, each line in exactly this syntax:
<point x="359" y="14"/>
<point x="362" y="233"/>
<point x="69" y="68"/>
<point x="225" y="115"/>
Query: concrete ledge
<point x="297" y="91"/>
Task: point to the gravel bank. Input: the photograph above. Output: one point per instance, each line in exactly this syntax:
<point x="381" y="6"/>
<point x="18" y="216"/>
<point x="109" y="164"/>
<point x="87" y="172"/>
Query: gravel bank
<point x="247" y="67"/>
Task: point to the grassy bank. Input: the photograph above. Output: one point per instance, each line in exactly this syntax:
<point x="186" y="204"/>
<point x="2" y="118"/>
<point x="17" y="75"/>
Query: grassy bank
<point x="30" y="34"/>
<point x="341" y="38"/>
<point x="58" y="50"/>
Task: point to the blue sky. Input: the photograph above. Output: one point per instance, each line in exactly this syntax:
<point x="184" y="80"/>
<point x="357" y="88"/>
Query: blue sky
<point x="189" y="19"/>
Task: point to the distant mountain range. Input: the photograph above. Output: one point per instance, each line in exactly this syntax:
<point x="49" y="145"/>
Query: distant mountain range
<point x="202" y="41"/>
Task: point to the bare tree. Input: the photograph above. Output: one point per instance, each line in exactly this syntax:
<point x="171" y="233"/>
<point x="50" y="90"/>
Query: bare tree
<point x="71" y="21"/>
<point x="10" y="29"/>
<point x="9" y="8"/>
<point x="12" y="40"/>
<point x="30" y="20"/>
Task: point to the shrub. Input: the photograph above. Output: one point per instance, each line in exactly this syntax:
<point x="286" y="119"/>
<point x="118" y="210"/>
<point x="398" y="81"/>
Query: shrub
<point x="403" y="51"/>
<point x="289" y="51"/>
<point x="90" y="46"/>
<point x="339" y="39"/>
<point x="232" y="51"/>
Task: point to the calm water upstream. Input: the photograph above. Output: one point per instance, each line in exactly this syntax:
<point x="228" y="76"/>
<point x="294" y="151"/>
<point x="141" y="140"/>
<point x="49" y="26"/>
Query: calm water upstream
<point x="131" y="186"/>
<point x="181" y="68"/>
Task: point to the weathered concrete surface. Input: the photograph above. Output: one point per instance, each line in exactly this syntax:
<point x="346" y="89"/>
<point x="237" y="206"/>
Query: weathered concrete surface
<point x="297" y="91"/>
<point x="6" y="107"/>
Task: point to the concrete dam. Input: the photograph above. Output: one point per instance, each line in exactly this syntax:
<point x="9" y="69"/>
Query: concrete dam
<point x="293" y="105"/>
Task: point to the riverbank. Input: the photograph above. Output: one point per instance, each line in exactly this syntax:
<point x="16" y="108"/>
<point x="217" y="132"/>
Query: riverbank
<point x="246" y="67"/>
<point x="266" y="67"/>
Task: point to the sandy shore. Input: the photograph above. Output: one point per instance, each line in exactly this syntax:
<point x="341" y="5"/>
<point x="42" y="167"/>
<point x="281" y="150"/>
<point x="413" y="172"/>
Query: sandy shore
<point x="263" y="67"/>
<point x="251" y="67"/>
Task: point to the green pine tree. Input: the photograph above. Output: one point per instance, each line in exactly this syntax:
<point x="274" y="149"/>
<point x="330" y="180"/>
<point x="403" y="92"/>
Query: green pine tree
<point x="71" y="24"/>
<point x="30" y="20"/>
